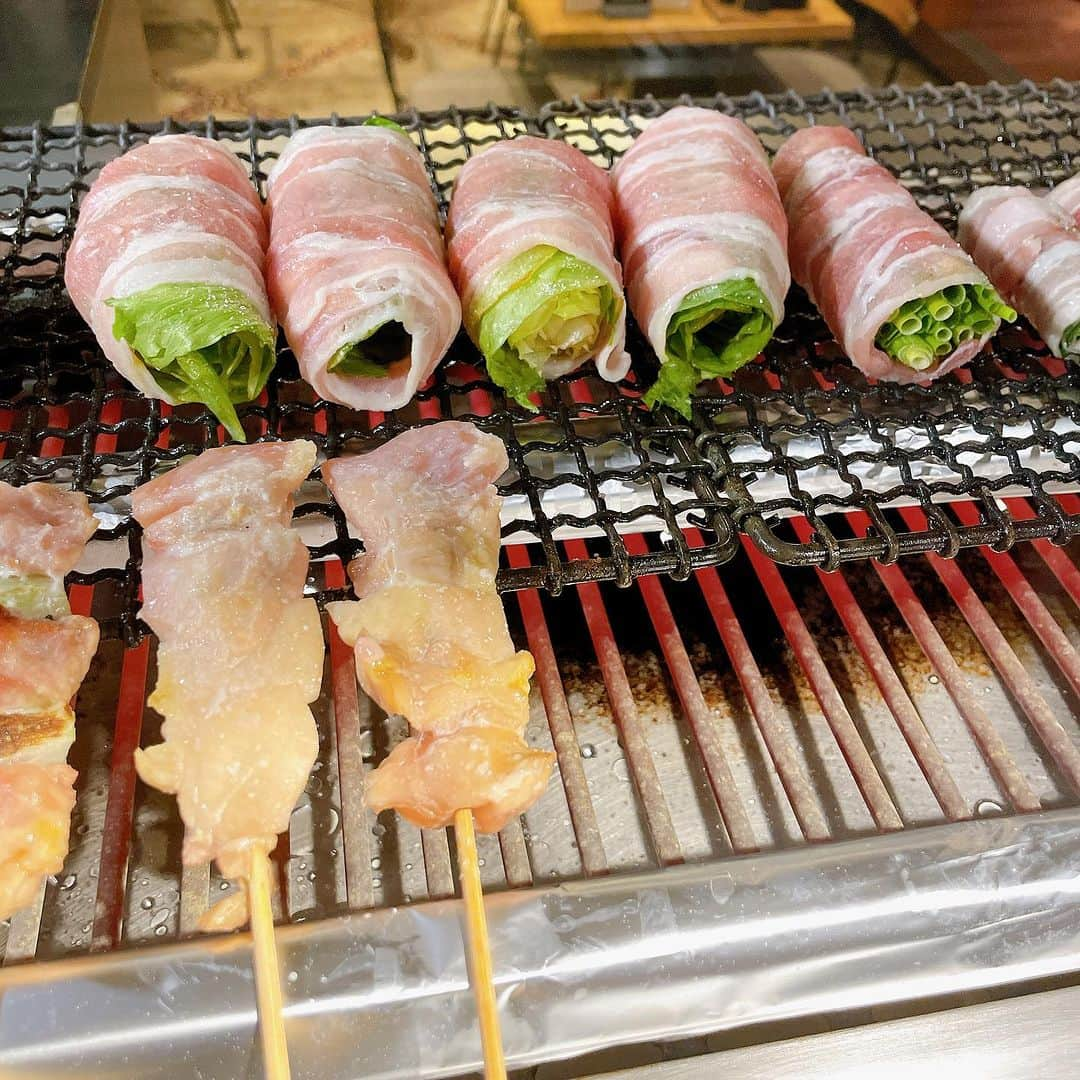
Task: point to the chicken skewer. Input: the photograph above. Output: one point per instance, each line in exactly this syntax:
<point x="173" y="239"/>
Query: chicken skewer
<point x="240" y="659"/>
<point x="431" y="643"/>
<point x="45" y="652"/>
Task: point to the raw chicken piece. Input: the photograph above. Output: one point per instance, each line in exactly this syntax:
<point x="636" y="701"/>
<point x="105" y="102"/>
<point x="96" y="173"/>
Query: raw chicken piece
<point x="488" y="770"/>
<point x="43" y="529"/>
<point x="44" y="654"/>
<point x="426" y="506"/>
<point x="429" y="631"/>
<point x="241" y="651"/>
<point x="35" y="815"/>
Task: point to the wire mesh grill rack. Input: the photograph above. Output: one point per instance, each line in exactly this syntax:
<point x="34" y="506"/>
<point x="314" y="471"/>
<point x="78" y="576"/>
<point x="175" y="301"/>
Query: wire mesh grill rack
<point x="798" y="432"/>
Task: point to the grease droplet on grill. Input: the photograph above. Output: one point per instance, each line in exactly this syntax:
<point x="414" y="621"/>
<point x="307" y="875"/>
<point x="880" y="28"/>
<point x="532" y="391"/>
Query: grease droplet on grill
<point x="293" y="976"/>
<point x="376" y="863"/>
<point x="987" y="808"/>
<point x="933" y="680"/>
<point x="69" y="882"/>
<point x="588" y="750"/>
<point x="161" y="930"/>
<point x="147" y="903"/>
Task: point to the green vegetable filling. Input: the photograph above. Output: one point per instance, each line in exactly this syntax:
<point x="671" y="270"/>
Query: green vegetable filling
<point x="1070" y="341"/>
<point x="715" y="330"/>
<point x="375" y="356"/>
<point x="382" y="121"/>
<point x="922" y="332"/>
<point x="33" y="596"/>
<point x="204" y="343"/>
<point x="543" y="307"/>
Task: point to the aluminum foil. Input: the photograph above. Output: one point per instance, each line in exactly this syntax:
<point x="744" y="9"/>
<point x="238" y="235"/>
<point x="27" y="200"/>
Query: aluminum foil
<point x="583" y="966"/>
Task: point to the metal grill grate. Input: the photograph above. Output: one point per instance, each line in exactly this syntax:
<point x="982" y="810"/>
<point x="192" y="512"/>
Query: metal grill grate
<point x="799" y="433"/>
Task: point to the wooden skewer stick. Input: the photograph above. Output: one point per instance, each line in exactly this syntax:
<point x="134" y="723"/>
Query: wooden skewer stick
<point x="482" y="978"/>
<point x="275" y="1050"/>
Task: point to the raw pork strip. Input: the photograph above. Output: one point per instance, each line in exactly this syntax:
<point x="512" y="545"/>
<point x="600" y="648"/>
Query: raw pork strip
<point x="1031" y="252"/>
<point x="429" y="631"/>
<point x="864" y="251"/>
<point x="168" y="251"/>
<point x="356" y="266"/>
<point x="697" y="209"/>
<point x="45" y="652"/>
<point x="531" y="246"/>
<point x="1067" y="196"/>
<point x="241" y="650"/>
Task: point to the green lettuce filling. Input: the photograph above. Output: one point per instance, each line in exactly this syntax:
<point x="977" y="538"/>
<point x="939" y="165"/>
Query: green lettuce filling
<point x="374" y="356"/>
<point x="382" y="121"/>
<point x="543" y="306"/>
<point x="921" y="333"/>
<point x="204" y="343"/>
<point x="33" y="596"/>
<point x="714" y="331"/>
<point x="1070" y="341"/>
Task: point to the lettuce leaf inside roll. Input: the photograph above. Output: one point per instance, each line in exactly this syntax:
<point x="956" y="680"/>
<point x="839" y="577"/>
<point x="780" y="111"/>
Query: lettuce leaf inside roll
<point x="204" y="343"/>
<point x="543" y="306"/>
<point x="714" y="331"/>
<point x="375" y="356"/>
<point x="1070" y="342"/>
<point x="921" y="333"/>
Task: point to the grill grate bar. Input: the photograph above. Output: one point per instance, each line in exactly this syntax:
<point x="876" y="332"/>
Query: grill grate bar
<point x="1034" y="610"/>
<point x="1062" y="567"/>
<point x="1004" y="658"/>
<point x="563" y="736"/>
<point x="1016" y="787"/>
<point x="736" y="821"/>
<point x="194" y="896"/>
<point x="624" y="709"/>
<point x="876" y="795"/>
<point x="896" y="697"/>
<point x="796" y="784"/>
<point x="356" y="820"/>
<point x="120" y="808"/>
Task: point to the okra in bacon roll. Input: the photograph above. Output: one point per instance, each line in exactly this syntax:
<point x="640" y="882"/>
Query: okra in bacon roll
<point x="904" y="300"/>
<point x="703" y="240"/>
<point x="356" y="267"/>
<point x="1031" y="252"/>
<point x="166" y="266"/>
<point x="531" y="249"/>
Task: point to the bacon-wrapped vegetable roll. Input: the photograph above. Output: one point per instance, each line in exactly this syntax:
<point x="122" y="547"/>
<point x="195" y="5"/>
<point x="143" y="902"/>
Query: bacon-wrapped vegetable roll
<point x="901" y="296"/>
<point x="45" y="652"/>
<point x="429" y="631"/>
<point x="166" y="266"/>
<point x="356" y="266"/>
<point x="531" y="250"/>
<point x="1029" y="250"/>
<point x="703" y="240"/>
<point x="241" y="650"/>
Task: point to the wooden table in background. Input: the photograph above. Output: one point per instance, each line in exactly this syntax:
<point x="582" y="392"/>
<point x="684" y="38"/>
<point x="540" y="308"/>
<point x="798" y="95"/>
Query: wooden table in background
<point x="702" y="23"/>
